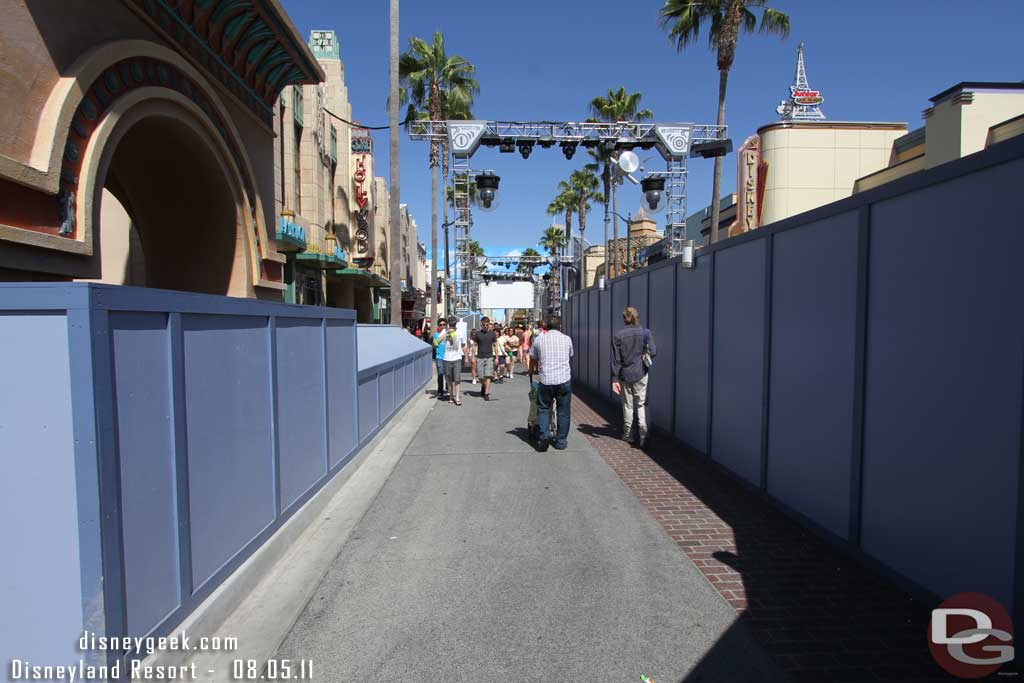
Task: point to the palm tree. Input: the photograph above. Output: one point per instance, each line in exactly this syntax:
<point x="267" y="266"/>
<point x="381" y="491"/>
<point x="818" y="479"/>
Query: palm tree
<point x="526" y="267"/>
<point x="435" y="85"/>
<point x="396" y="229"/>
<point x="584" y="186"/>
<point x="617" y="106"/>
<point x="565" y="202"/>
<point x="683" y="19"/>
<point x="553" y="239"/>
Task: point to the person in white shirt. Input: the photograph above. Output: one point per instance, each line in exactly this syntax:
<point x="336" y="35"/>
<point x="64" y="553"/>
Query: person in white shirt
<point x="454" y="350"/>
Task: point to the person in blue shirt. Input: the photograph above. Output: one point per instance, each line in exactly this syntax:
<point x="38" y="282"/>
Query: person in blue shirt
<point x="438" y="340"/>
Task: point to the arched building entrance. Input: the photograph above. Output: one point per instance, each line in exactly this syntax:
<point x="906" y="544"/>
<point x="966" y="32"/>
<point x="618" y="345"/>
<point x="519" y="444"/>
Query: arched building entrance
<point x="169" y="216"/>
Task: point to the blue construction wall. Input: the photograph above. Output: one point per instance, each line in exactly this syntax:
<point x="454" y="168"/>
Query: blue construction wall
<point x="153" y="440"/>
<point x="861" y="364"/>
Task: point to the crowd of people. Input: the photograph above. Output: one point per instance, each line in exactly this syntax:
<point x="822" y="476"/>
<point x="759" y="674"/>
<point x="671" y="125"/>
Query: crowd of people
<point x="492" y="353"/>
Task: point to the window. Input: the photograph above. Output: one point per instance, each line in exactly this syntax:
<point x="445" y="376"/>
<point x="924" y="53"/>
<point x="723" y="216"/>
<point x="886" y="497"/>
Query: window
<point x="298" y="169"/>
<point x="280" y="151"/>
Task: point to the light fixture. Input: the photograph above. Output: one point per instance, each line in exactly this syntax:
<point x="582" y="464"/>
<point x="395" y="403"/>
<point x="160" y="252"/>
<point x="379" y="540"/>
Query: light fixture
<point x="655" y="198"/>
<point x="712" y="149"/>
<point x="687" y="252"/>
<point x="487" y="191"/>
<point x="525" y="147"/>
<point x="568" y="149"/>
<point x="507" y="146"/>
<point x="547" y="141"/>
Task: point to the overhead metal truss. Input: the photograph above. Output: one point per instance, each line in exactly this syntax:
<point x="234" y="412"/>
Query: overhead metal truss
<point x="672" y="140"/>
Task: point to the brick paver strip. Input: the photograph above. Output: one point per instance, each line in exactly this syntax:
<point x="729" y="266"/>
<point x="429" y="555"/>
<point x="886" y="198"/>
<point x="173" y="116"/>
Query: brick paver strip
<point x="822" y="615"/>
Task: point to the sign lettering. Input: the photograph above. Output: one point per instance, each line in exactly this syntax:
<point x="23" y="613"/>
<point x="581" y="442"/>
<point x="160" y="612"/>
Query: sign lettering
<point x="360" y="177"/>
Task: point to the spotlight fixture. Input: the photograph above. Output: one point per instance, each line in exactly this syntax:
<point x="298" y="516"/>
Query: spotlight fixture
<point x="568" y="149"/>
<point x="525" y="148"/>
<point x="547" y="141"/>
<point x="507" y="146"/>
<point x="487" y="190"/>
<point x="712" y="149"/>
<point x="490" y="140"/>
<point x="653" y="188"/>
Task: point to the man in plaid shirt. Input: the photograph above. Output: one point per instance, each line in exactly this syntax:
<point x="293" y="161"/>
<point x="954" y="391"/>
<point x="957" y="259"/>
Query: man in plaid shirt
<point x="553" y="350"/>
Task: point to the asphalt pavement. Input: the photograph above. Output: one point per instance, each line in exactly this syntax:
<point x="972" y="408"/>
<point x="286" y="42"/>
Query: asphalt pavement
<point x="483" y="560"/>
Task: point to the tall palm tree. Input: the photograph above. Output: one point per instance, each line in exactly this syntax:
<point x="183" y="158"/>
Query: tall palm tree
<point x="726" y="18"/>
<point x="434" y="82"/>
<point x="553" y="239"/>
<point x="617" y="106"/>
<point x="565" y="202"/>
<point x="393" y="171"/>
<point x="526" y="267"/>
<point x="584" y="185"/>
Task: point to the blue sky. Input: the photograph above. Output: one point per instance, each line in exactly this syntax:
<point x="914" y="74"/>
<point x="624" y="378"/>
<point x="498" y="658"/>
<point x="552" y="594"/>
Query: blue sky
<point x="874" y="60"/>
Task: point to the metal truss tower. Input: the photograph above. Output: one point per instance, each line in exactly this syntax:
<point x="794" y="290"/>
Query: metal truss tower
<point x="803" y="103"/>
<point x="672" y="140"/>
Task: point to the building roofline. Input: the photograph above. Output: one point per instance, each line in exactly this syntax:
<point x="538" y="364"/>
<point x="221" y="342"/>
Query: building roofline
<point x="977" y="85"/>
<point x="911" y="139"/>
<point x="881" y="125"/>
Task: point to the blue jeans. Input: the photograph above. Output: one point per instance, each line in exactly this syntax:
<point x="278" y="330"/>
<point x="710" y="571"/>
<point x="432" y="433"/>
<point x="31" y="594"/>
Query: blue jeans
<point x="559" y="395"/>
<point x="439" y="363"/>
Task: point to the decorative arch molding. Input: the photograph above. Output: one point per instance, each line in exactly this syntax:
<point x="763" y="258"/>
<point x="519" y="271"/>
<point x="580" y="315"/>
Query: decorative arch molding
<point x="78" y="102"/>
<point x="129" y="110"/>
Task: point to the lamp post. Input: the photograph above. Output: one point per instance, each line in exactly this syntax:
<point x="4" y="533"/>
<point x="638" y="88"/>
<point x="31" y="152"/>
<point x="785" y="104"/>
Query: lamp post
<point x="629" y="236"/>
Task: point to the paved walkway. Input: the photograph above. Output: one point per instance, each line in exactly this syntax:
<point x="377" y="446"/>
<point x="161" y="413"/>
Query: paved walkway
<point x="483" y="560"/>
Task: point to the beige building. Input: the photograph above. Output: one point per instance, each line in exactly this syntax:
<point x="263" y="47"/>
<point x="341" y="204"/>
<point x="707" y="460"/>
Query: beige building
<point x="137" y="143"/>
<point x="962" y="120"/>
<point x="642" y="232"/>
<point x="812" y="163"/>
<point x="326" y="191"/>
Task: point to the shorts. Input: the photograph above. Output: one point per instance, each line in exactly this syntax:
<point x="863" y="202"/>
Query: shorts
<point x="485" y="366"/>
<point x="501" y="359"/>
<point x="453" y="371"/>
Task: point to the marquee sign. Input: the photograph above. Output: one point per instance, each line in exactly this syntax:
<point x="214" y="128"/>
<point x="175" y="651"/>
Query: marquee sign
<point x="747" y="183"/>
<point x="807" y="97"/>
<point x="362" y="145"/>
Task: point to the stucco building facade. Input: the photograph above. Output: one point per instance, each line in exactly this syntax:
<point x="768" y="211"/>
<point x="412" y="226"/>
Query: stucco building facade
<point x="136" y="142"/>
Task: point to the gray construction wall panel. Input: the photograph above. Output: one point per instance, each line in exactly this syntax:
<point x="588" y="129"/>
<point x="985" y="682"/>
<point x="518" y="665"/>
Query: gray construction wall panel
<point x="620" y="299"/>
<point x="302" y="438"/>
<point x="149" y="512"/>
<point x="341" y="377"/>
<point x="604" y="345"/>
<point x="942" y="441"/>
<point x="638" y="295"/>
<point x="660" y="323"/>
<point x="369" y="407"/>
<point x="593" y="337"/>
<point x="386" y="392"/>
<point x="230" y="446"/>
<point x="814" y="309"/>
<point x="739" y="359"/>
<point x="693" y="346"/>
<point x="41" y="591"/>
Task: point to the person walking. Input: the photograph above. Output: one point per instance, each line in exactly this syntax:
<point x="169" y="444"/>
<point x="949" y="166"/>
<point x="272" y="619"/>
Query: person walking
<point x="633" y="352"/>
<point x="471" y="352"/>
<point x="512" y="345"/>
<point x="486" y="341"/>
<point x="438" y="340"/>
<point x="553" y="350"/>
<point x="454" y="351"/>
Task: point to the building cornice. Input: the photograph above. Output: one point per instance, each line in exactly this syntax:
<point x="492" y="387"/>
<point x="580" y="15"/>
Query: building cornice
<point x="838" y="125"/>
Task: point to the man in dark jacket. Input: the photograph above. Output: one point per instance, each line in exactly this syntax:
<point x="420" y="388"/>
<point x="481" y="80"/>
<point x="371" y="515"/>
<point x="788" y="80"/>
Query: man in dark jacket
<point x="633" y="351"/>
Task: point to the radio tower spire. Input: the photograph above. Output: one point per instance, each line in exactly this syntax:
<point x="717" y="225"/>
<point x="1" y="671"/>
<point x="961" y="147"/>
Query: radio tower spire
<point x="803" y="103"/>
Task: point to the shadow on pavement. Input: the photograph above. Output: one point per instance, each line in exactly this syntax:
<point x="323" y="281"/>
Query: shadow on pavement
<point x="822" y="615"/>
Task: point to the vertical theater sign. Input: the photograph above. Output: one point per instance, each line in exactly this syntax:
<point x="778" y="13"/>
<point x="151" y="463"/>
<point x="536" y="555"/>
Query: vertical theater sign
<point x="362" y="181"/>
<point x="749" y="185"/>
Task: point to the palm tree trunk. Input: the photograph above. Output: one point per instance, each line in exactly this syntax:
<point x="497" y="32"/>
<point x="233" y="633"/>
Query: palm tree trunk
<point x="433" y="246"/>
<point x="395" y="249"/>
<point x="615" y="228"/>
<point x="723" y="77"/>
<point x="447" y="270"/>
<point x="607" y="218"/>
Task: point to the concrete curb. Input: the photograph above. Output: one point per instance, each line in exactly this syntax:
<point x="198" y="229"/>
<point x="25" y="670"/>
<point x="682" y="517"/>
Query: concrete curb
<point x="262" y="599"/>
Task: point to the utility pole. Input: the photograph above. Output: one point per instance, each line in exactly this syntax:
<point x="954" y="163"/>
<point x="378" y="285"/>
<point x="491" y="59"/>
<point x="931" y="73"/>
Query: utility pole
<point x="395" y="192"/>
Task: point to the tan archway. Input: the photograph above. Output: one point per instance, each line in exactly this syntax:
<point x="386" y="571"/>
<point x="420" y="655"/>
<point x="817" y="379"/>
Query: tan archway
<point x="158" y="159"/>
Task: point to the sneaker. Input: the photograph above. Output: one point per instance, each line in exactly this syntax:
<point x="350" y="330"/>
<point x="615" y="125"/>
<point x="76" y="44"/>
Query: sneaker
<point x="487" y="397"/>
<point x="560" y="448"/>
<point x="642" y="442"/>
<point x="474" y="380"/>
<point x="542" y="445"/>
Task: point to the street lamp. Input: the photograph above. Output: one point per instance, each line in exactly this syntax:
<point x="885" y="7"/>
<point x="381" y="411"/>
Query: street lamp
<point x="653" y="188"/>
<point x="629" y="240"/>
<point x="487" y="190"/>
